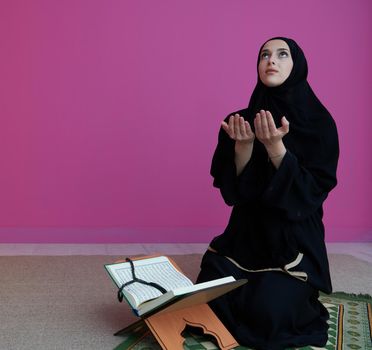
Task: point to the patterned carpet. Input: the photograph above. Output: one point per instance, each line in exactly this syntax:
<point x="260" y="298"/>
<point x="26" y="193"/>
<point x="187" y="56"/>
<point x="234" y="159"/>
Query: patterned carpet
<point x="350" y="327"/>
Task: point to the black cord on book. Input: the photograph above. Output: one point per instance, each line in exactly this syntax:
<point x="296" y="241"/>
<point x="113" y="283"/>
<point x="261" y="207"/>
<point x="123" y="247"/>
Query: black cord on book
<point x="138" y="280"/>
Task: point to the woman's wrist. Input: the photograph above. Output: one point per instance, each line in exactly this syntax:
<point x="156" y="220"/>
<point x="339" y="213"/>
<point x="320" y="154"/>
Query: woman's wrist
<point x="243" y="145"/>
<point x="276" y="151"/>
<point x="276" y="154"/>
<point x="243" y="153"/>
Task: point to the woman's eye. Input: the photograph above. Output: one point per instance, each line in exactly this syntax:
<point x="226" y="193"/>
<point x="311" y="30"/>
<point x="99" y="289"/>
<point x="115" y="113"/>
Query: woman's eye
<point x="264" y="55"/>
<point x="283" y="54"/>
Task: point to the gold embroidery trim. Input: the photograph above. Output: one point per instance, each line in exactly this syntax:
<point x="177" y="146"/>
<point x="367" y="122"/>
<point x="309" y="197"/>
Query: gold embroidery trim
<point x="286" y="269"/>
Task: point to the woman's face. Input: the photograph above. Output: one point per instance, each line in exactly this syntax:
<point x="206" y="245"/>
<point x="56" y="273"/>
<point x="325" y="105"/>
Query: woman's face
<point x="275" y="63"/>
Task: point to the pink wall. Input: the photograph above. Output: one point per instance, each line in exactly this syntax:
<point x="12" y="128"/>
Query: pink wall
<point x="110" y="112"/>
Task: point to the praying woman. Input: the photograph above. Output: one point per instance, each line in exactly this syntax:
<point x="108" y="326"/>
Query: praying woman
<point x="275" y="164"/>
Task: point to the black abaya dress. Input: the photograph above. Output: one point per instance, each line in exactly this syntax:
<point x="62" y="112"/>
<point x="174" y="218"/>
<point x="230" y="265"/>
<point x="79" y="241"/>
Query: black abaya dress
<point x="272" y="311"/>
<point x="275" y="234"/>
<point x="279" y="306"/>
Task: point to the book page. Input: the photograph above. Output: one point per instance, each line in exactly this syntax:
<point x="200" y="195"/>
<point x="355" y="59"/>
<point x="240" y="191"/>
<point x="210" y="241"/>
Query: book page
<point x="160" y="271"/>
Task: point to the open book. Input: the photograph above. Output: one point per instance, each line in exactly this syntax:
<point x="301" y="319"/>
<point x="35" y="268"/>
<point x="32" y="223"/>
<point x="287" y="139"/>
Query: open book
<point x="180" y="291"/>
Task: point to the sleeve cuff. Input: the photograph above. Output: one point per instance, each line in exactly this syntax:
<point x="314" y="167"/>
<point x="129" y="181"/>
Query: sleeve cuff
<point x="281" y="180"/>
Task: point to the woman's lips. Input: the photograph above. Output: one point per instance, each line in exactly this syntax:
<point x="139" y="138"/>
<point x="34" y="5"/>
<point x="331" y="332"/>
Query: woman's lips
<point x="271" y="71"/>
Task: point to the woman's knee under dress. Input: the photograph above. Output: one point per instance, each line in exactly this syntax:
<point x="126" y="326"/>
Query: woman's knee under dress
<point x="272" y="311"/>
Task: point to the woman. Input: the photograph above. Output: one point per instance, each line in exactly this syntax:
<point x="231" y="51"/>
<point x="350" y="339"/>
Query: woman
<point x="275" y="163"/>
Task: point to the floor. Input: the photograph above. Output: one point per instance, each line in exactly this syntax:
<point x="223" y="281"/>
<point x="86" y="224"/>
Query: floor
<point x="362" y="251"/>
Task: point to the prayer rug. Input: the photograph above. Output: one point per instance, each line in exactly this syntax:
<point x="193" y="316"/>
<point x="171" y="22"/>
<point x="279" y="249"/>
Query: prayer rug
<point x="350" y="327"/>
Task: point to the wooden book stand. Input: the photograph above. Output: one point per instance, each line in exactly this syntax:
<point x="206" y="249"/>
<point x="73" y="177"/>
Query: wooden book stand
<point x="167" y="326"/>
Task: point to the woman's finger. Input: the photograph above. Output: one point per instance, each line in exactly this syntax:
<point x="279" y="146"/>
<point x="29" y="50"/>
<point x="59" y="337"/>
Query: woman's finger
<point x="231" y="127"/>
<point x="264" y="126"/>
<point x="285" y="125"/>
<point x="270" y="123"/>
<point x="236" y="125"/>
<point x="257" y="125"/>
<point x="243" y="131"/>
<point x="249" y="132"/>
<point x="225" y="127"/>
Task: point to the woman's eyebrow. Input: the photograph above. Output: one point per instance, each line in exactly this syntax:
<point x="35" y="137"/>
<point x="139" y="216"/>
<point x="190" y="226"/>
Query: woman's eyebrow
<point x="280" y="49"/>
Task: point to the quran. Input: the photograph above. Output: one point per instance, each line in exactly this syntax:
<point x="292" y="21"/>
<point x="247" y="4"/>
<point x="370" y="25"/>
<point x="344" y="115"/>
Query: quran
<point x="154" y="284"/>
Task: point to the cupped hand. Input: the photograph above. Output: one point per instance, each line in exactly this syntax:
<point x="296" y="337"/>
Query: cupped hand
<point x="238" y="129"/>
<point x="266" y="130"/>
